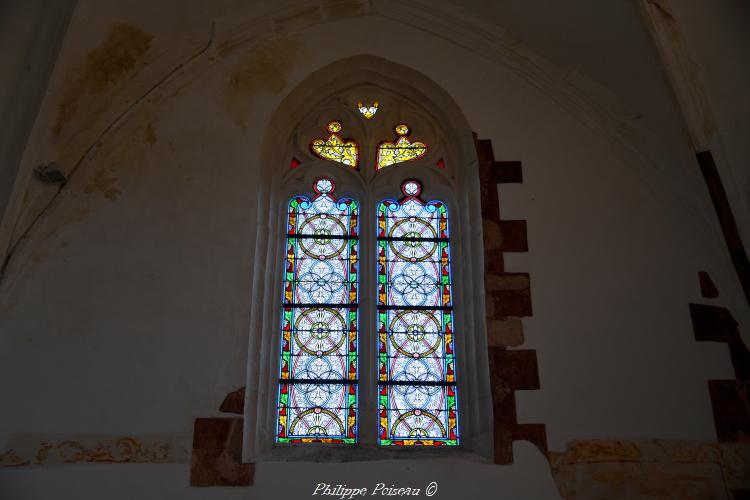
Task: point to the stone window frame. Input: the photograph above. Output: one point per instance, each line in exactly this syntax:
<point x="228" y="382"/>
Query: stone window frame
<point x="434" y="118"/>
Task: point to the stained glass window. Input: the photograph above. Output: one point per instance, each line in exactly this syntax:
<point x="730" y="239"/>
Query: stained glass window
<point x="368" y="111"/>
<point x="403" y="149"/>
<point x="416" y="360"/>
<point x="317" y="400"/>
<point x="335" y="148"/>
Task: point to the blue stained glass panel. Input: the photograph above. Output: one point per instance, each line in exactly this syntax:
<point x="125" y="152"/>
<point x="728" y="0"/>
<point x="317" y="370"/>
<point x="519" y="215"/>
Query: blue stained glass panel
<point x="317" y="398"/>
<point x="418" y="401"/>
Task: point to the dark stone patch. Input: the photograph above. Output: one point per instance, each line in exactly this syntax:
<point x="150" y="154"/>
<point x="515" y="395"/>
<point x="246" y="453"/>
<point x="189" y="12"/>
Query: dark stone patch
<point x="513" y="236"/>
<point x="503" y="445"/>
<point x="484" y="151"/>
<point x="494" y="263"/>
<point x="493" y="238"/>
<point x="730" y="399"/>
<point x="713" y="323"/>
<point x="234" y="402"/>
<point x="511" y="371"/>
<point x="716" y="324"/>
<point x="730" y="410"/>
<point x="708" y="289"/>
<point x="217" y="454"/>
<point x="508" y="295"/>
<point x="506" y="172"/>
<point x="518" y="368"/>
<point x="487" y="185"/>
<point x="515" y="303"/>
<point x="536" y="434"/>
<point x="726" y="219"/>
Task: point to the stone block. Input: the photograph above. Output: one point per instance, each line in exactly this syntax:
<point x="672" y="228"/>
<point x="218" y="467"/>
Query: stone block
<point x="514" y="236"/>
<point x="494" y="282"/>
<point x="217" y="454"/>
<point x="234" y="402"/>
<point x="505" y="332"/>
<point x="708" y="289"/>
<point x="713" y="323"/>
<point x="730" y="408"/>
<point x="493" y="239"/>
<point x="511" y="303"/>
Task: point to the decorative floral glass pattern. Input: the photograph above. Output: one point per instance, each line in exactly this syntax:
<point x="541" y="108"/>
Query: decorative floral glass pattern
<point x="335" y="148"/>
<point x="317" y="399"/>
<point x="402" y="150"/>
<point x="417" y="381"/>
<point x="368" y="111"/>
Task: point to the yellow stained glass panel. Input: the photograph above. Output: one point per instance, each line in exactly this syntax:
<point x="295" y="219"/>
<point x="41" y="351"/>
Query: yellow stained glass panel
<point x="335" y="148"/>
<point x="402" y="150"/>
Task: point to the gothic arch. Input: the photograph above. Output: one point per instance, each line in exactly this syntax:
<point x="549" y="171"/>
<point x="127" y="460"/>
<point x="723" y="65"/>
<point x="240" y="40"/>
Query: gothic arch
<point x="417" y="98"/>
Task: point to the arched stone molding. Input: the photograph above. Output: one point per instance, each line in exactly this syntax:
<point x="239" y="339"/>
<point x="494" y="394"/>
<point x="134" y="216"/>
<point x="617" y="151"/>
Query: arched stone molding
<point x="180" y="62"/>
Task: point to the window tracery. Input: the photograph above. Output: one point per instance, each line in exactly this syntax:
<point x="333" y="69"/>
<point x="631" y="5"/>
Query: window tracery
<point x="368" y="111"/>
<point x="335" y="148"/>
<point x="390" y="153"/>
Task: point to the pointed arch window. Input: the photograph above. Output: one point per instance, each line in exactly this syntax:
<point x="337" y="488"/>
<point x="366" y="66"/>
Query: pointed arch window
<point x="318" y="389"/>
<point x="379" y="294"/>
<point x="317" y="398"/>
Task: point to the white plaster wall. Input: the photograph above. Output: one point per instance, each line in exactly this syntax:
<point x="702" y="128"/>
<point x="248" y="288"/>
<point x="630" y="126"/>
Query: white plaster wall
<point x="31" y="33"/>
<point x="129" y="315"/>
<point x="286" y="480"/>
<point x="718" y="39"/>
